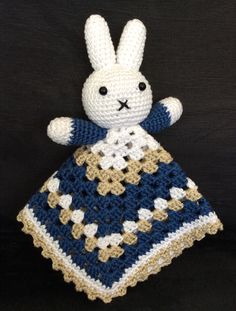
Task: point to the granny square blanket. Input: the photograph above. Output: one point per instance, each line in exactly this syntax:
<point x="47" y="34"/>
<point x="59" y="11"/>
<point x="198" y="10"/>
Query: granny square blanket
<point x="107" y="229"/>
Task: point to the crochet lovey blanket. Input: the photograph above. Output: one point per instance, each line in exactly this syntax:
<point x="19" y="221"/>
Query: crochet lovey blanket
<point x="120" y="208"/>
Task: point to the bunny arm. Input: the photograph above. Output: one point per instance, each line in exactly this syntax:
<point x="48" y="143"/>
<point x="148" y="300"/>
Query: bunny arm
<point x="163" y="114"/>
<point x="68" y="131"/>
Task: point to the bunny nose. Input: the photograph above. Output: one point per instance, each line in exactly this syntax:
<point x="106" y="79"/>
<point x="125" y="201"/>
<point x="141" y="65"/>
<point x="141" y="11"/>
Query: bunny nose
<point x="123" y="104"/>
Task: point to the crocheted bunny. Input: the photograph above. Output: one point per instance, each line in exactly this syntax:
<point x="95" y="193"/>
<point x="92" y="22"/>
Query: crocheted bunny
<point x="116" y="94"/>
<point x="120" y="208"/>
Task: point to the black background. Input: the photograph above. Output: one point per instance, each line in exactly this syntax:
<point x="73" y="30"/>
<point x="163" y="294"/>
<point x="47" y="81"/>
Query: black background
<point x="189" y="54"/>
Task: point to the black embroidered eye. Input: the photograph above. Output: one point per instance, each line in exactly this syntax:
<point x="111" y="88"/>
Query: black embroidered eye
<point x="142" y="86"/>
<point x="103" y="90"/>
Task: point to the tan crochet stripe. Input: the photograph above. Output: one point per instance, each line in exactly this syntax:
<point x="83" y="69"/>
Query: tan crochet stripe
<point x="53" y="199"/>
<point x="152" y="266"/>
<point x="113" y="252"/>
<point x="112" y="180"/>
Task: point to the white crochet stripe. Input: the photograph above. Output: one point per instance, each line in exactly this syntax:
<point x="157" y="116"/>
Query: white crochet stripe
<point x="211" y="218"/>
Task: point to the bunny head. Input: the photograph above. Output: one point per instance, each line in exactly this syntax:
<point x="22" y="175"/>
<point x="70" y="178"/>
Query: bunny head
<point x="116" y="94"/>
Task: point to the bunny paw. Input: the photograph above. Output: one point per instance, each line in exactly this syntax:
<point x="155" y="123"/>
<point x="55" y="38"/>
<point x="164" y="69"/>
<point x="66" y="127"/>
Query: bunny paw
<point x="174" y="107"/>
<point x="60" y="130"/>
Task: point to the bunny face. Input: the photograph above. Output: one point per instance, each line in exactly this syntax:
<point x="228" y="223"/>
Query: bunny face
<point x="116" y="94"/>
<point x="116" y="97"/>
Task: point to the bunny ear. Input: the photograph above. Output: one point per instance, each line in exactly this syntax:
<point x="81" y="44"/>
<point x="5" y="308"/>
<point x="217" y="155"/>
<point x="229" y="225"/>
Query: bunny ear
<point x="131" y="46"/>
<point x="99" y="44"/>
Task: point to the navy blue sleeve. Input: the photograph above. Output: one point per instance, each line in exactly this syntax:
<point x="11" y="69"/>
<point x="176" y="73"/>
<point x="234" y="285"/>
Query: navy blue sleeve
<point x="157" y="120"/>
<point x="85" y="133"/>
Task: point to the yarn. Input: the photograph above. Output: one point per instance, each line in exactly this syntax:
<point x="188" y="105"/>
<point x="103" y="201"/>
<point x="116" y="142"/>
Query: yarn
<point x="68" y="131"/>
<point x="119" y="208"/>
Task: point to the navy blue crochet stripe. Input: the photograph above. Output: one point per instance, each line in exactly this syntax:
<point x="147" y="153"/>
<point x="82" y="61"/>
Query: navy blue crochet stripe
<point x="85" y="132"/>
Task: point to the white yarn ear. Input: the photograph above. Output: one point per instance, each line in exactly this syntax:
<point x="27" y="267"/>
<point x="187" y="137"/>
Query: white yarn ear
<point x="99" y="44"/>
<point x="131" y="46"/>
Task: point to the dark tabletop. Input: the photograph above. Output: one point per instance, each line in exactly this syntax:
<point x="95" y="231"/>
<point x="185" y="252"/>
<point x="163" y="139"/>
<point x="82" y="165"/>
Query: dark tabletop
<point x="190" y="54"/>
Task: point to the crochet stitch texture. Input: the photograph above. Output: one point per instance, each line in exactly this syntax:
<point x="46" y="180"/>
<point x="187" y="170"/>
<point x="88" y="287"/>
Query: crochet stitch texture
<point x="120" y="208"/>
